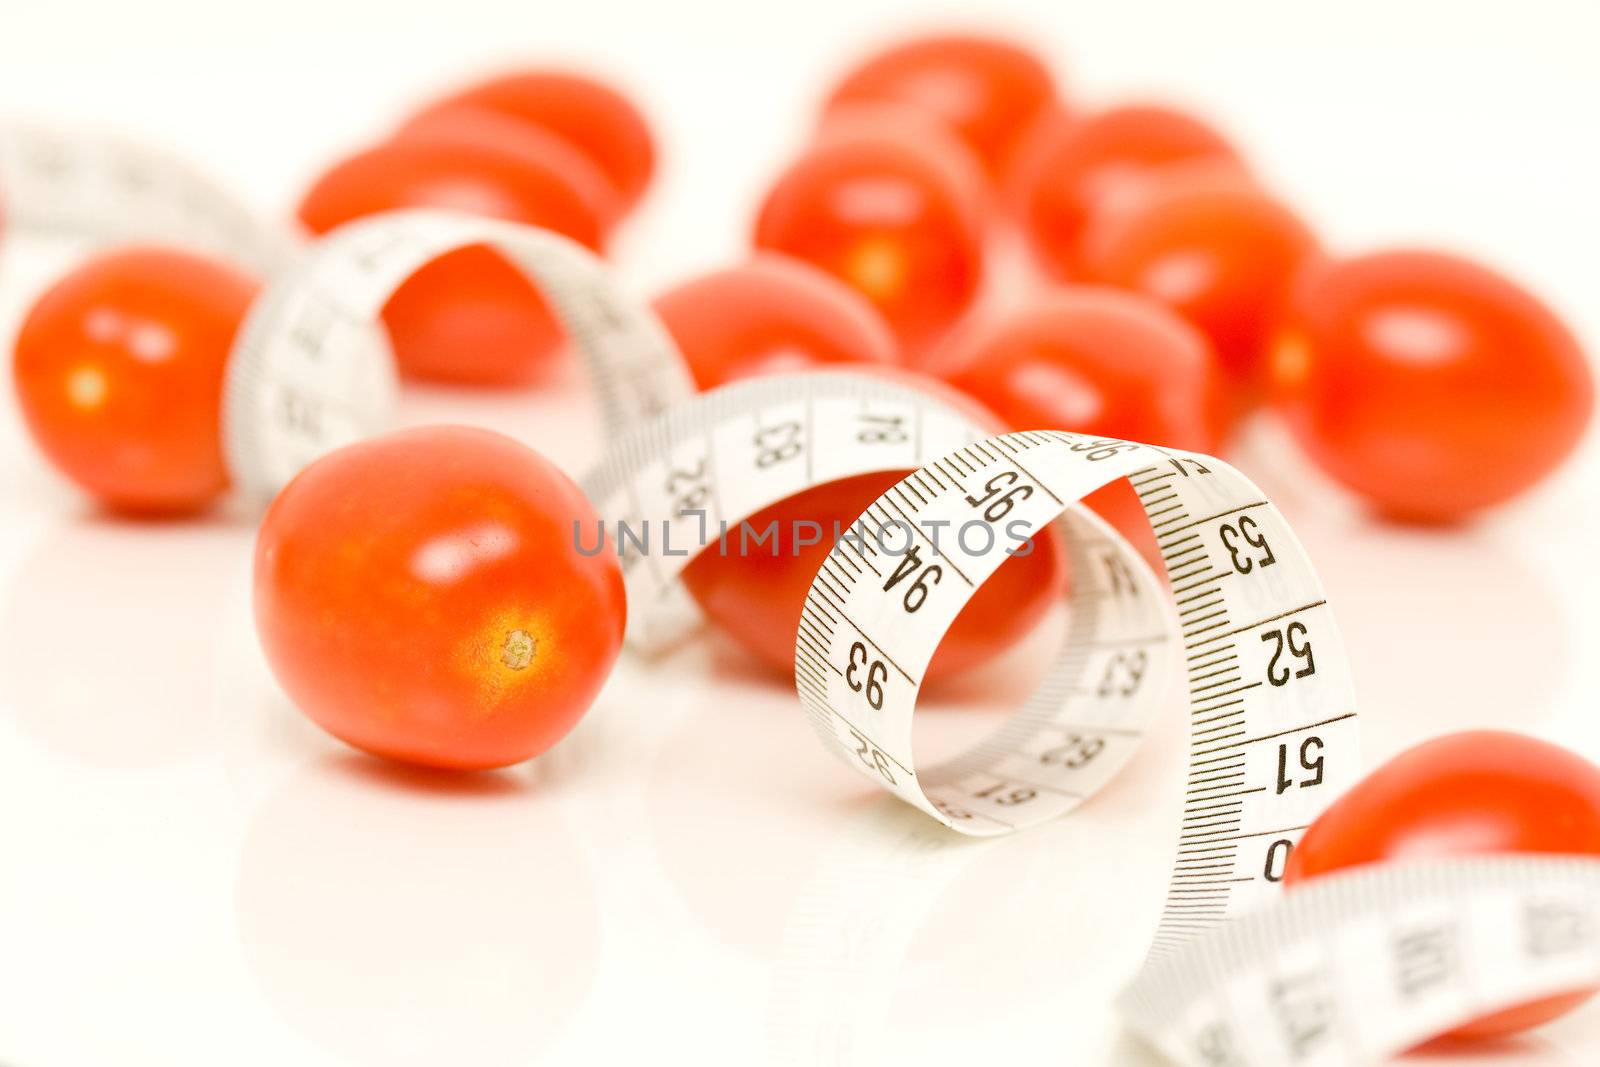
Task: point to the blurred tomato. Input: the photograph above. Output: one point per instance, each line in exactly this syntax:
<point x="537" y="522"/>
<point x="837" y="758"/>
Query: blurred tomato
<point x="988" y="90"/>
<point x="498" y="131"/>
<point x="1476" y="792"/>
<point x="1097" y="361"/>
<point x="468" y="316"/>
<point x="1428" y="384"/>
<point x="589" y="115"/>
<point x="119" y="371"/>
<point x="897" y="215"/>
<point x="421" y="596"/>
<point x="1217" y="251"/>
<point x="1094" y="360"/>
<point x="757" y="597"/>
<point x="769" y="315"/>
<point x="1076" y="167"/>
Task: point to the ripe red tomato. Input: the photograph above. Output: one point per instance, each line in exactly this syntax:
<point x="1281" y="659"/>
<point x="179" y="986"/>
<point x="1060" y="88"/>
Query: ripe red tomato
<point x="119" y="372"/>
<point x="988" y="91"/>
<point x="498" y="131"/>
<point x="1094" y="360"/>
<point x="1428" y="384"/>
<point x="898" y="217"/>
<point x="1217" y="251"/>
<point x="1099" y="361"/>
<point x="592" y="117"/>
<point x="757" y="598"/>
<point x="769" y="315"/>
<point x="1480" y="791"/>
<point x="1075" y="168"/>
<point x="421" y="596"/>
<point x="469" y="316"/>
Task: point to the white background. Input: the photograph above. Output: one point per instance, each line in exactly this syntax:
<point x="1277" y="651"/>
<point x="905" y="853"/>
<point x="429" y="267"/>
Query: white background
<point x="191" y="873"/>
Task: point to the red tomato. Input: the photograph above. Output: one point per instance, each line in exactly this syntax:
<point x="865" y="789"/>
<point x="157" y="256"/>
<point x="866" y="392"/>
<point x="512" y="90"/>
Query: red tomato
<point x="770" y="315"/>
<point x="1075" y="168"/>
<point x="1094" y="360"/>
<point x="1220" y="253"/>
<point x="119" y="371"/>
<point x="1428" y="384"/>
<point x="1480" y="791"/>
<point x="1098" y="361"/>
<point x="421" y="596"/>
<point x="592" y="117"/>
<point x="989" y="91"/>
<point x="900" y="218"/>
<point x="499" y="131"/>
<point x="757" y="597"/>
<point x="469" y="316"/>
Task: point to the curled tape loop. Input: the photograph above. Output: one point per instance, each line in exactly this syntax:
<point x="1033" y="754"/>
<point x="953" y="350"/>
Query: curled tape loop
<point x="309" y="371"/>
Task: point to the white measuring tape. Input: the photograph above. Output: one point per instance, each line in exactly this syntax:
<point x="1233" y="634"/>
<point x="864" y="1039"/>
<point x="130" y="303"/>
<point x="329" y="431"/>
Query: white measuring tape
<point x="84" y="184"/>
<point x="1341" y="971"/>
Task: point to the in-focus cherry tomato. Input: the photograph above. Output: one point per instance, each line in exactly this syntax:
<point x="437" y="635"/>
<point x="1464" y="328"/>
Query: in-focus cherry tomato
<point x="1219" y="252"/>
<point x="119" y="372"/>
<point x="898" y="217"/>
<point x="989" y="91"/>
<point x="592" y="117"/>
<point x="1479" y="791"/>
<point x="757" y="596"/>
<point x="422" y="596"/>
<point x="1099" y="361"/>
<point x="1075" y="168"/>
<point x="469" y="316"/>
<point x="770" y="315"/>
<point x="1428" y="384"/>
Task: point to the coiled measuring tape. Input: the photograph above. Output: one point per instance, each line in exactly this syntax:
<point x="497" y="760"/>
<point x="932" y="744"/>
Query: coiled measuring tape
<point x="1342" y="971"/>
<point x="98" y="186"/>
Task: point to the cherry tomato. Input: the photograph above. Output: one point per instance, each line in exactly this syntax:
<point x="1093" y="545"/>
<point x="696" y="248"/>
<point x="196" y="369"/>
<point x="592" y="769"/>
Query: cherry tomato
<point x="989" y="91"/>
<point x="499" y="131"/>
<point x="1476" y="792"/>
<point x="898" y="217"/>
<point x="770" y="315"/>
<point x="468" y="316"/>
<point x="1094" y="360"/>
<point x="1220" y="253"/>
<point x="119" y="372"/>
<point x="1075" y="168"/>
<point x="757" y="596"/>
<point x="1098" y="361"/>
<point x="421" y="596"/>
<point x="1428" y="384"/>
<point x="592" y="117"/>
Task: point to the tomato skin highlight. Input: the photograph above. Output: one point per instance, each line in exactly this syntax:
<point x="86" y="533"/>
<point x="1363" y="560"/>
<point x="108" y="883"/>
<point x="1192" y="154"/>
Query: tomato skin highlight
<point x="770" y="315"/>
<point x="1219" y="252"/>
<point x="1470" y="793"/>
<point x="757" y="597"/>
<point x="469" y="316"/>
<point x="595" y="119"/>
<point x="1098" y="361"/>
<point x="1429" y="385"/>
<point x="119" y="370"/>
<point x="421" y="596"/>
<point x="896" y="214"/>
<point x="1077" y="168"/>
<point x="988" y="90"/>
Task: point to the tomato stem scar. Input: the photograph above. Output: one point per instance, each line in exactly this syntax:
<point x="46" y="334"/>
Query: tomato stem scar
<point x="520" y="648"/>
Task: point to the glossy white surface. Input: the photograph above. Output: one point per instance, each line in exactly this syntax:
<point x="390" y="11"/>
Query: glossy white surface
<point x="190" y="872"/>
